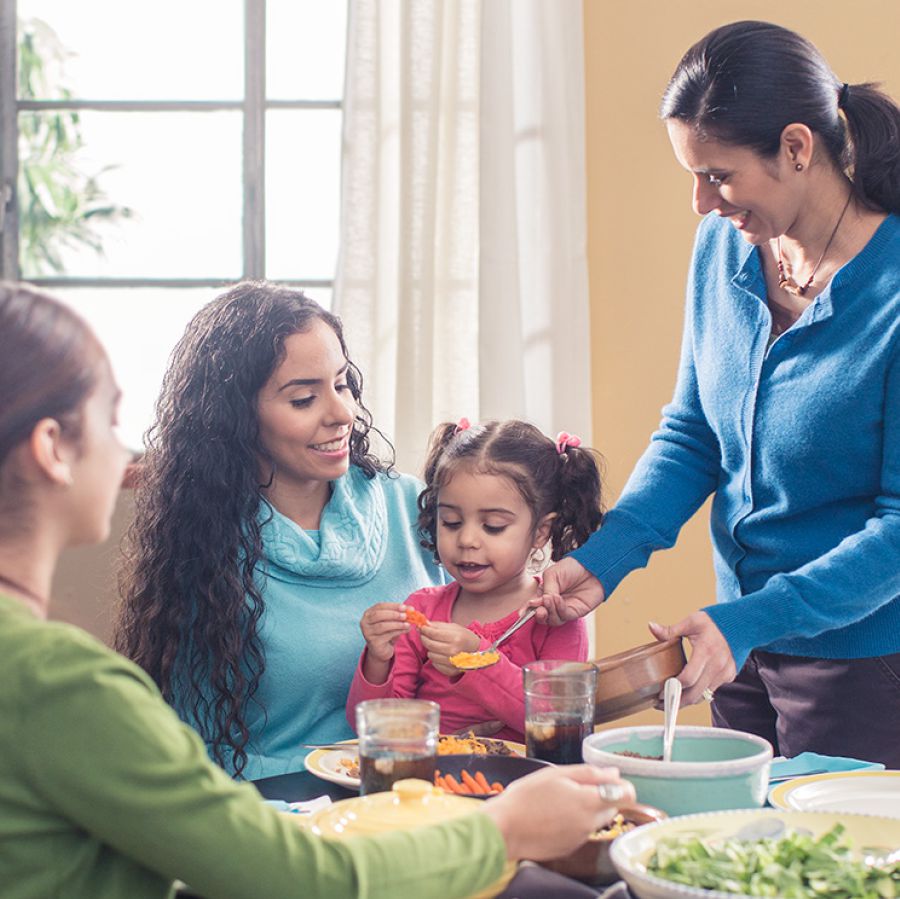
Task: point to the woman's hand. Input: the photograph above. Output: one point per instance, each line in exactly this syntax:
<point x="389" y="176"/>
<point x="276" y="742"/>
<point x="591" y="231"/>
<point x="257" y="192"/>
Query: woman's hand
<point x="551" y="812"/>
<point x="381" y="625"/>
<point x="711" y="663"/>
<point x="442" y="639"/>
<point x="569" y="591"/>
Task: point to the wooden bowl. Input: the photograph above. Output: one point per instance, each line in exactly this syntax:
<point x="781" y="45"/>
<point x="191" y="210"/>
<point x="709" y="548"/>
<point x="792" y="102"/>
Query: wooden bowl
<point x="591" y="862"/>
<point x="632" y="680"/>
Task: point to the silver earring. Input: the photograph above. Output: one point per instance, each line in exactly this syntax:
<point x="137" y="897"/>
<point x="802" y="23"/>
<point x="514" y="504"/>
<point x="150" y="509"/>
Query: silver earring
<point x="799" y="166"/>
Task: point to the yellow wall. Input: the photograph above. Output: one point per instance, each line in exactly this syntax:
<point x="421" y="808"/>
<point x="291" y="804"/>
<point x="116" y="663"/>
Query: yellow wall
<point x="640" y="233"/>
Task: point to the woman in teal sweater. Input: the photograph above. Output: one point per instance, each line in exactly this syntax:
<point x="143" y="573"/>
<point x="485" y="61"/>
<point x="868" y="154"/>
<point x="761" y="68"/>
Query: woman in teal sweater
<point x="264" y="529"/>
<point x="104" y="793"/>
<point x="787" y="404"/>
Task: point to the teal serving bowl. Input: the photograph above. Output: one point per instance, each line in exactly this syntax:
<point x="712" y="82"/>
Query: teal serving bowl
<point x="712" y="768"/>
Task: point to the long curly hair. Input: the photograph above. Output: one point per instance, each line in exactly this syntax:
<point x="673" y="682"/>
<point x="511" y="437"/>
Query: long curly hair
<point x="567" y="482"/>
<point x="190" y="607"/>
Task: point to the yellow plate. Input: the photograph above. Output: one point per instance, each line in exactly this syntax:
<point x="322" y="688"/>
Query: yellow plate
<point x="863" y="792"/>
<point x="326" y="763"/>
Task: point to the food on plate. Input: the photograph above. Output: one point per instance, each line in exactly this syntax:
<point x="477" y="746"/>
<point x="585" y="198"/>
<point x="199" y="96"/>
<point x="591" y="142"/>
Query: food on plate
<point x="469" y="784"/>
<point x="454" y="744"/>
<point x="796" y="865"/>
<point x="416" y="618"/>
<point x="619" y="825"/>
<point x="469" y="661"/>
<point x="349" y="765"/>
<point x="637" y="755"/>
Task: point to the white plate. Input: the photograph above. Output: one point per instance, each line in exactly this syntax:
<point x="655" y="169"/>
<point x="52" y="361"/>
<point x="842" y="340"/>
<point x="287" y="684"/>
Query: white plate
<point x="865" y="792"/>
<point x="631" y="851"/>
<point x="325" y="763"/>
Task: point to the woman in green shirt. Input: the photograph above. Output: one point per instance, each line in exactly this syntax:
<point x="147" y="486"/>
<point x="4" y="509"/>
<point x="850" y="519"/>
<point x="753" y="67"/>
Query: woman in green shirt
<point x="103" y="791"/>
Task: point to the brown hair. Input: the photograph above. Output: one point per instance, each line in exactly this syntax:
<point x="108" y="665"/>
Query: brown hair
<point x="191" y="600"/>
<point x="743" y="83"/>
<point x="567" y="483"/>
<point x="48" y="368"/>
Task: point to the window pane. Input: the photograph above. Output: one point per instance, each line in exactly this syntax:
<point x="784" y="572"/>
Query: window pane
<point x="302" y="192"/>
<point x="322" y="295"/>
<point x="179" y="174"/>
<point x="164" y="50"/>
<point x="305" y="45"/>
<point x="139" y="328"/>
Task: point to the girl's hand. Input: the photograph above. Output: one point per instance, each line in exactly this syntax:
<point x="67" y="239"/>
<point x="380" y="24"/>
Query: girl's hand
<point x="711" y="663"/>
<point x="381" y="625"/>
<point x="442" y="639"/>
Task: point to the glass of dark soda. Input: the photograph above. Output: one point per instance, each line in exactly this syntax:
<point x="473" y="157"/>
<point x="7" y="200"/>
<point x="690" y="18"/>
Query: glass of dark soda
<point x="397" y="740"/>
<point x="559" y="709"/>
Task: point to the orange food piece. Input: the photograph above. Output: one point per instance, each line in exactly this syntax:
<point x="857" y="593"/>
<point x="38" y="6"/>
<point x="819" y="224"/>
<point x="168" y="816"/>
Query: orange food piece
<point x="415" y="617"/>
<point x="470" y="782"/>
<point x="454" y="785"/>
<point x="470" y="661"/>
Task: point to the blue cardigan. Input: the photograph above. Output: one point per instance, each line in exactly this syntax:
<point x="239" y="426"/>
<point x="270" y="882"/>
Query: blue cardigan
<point x="799" y="442"/>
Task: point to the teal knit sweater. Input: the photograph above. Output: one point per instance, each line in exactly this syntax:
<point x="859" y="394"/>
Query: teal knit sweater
<point x="316" y="586"/>
<point x="800" y="445"/>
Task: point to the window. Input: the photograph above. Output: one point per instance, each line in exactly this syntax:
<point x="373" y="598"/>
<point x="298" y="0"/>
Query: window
<point x="152" y="153"/>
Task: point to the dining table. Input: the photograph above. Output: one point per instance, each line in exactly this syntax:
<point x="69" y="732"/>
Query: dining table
<point x="530" y="881"/>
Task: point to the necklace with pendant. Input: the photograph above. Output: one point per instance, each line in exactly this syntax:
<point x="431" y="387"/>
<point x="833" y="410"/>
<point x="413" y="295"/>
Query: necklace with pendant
<point x="786" y="281"/>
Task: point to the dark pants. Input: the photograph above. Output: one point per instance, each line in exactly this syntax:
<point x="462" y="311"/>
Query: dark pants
<point x="844" y="707"/>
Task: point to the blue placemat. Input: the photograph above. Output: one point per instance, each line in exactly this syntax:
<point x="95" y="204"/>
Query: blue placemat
<point x="813" y="763"/>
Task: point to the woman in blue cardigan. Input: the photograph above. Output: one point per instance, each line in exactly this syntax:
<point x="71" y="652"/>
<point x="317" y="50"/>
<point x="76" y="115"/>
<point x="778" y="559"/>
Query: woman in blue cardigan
<point x="787" y="403"/>
<point x="265" y="527"/>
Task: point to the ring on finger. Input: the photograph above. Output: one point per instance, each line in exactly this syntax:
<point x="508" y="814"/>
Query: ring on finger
<point x="611" y="793"/>
<point x="708" y="694"/>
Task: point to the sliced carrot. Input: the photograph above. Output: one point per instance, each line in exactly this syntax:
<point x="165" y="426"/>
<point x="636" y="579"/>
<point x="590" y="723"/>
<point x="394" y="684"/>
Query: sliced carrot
<point x="496" y="785"/>
<point x="470" y="782"/>
<point x="482" y="782"/>
<point x="454" y="785"/>
<point x="415" y="617"/>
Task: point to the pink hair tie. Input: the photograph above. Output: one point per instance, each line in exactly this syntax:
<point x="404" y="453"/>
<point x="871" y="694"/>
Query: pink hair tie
<point x="462" y="425"/>
<point x="564" y="440"/>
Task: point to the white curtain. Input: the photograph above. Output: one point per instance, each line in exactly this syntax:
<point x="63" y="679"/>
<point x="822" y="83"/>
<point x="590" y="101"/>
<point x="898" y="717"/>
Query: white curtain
<point x="462" y="280"/>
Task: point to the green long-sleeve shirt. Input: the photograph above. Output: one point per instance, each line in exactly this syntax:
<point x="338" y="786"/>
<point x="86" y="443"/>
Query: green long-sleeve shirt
<point x="105" y="794"/>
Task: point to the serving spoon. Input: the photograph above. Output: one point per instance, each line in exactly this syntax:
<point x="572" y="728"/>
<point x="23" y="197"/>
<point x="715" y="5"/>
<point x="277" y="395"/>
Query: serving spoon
<point x="671" y="703"/>
<point x="484" y="658"/>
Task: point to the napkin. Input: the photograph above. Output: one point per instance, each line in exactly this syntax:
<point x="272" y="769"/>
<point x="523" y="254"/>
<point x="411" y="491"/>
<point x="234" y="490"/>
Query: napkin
<point x="300" y="808"/>
<point x="812" y="761"/>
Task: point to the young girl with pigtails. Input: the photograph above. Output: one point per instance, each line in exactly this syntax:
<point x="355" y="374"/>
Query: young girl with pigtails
<point x="497" y="496"/>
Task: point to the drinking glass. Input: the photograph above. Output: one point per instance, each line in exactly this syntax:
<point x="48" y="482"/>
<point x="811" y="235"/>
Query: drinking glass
<point x="559" y="709"/>
<point x="397" y="739"/>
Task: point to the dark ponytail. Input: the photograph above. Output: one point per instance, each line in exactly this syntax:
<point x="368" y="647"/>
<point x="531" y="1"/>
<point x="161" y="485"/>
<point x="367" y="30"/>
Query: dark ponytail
<point x="579" y="506"/>
<point x="873" y="123"/>
<point x="743" y="83"/>
<point x="567" y="482"/>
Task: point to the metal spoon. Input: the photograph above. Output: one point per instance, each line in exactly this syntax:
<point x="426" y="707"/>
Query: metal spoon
<point x="671" y="702"/>
<point x="477" y="658"/>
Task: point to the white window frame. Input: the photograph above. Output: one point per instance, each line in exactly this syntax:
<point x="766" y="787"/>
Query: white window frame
<point x="254" y="108"/>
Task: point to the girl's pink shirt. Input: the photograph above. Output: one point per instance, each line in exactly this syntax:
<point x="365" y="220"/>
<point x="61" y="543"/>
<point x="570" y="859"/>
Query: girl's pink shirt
<point x="487" y="694"/>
